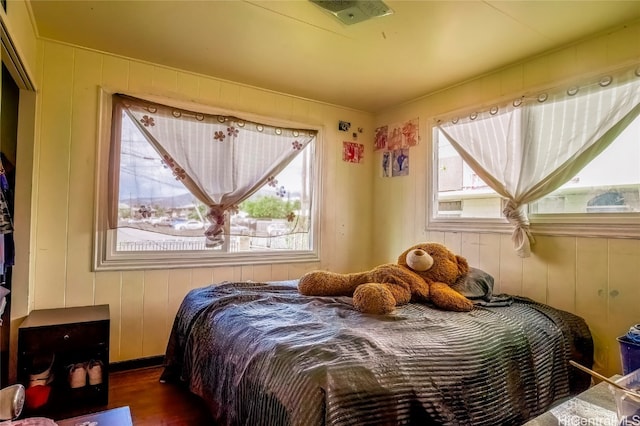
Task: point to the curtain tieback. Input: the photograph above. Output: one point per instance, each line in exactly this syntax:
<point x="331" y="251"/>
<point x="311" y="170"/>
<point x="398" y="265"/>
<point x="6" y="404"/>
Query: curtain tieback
<point x="515" y="215"/>
<point x="215" y="231"/>
<point x="521" y="237"/>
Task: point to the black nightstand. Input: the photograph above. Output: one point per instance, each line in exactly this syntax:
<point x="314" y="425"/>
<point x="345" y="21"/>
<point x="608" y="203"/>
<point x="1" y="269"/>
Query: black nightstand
<point x="70" y="336"/>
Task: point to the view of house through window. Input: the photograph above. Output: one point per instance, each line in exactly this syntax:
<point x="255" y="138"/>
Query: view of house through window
<point x="609" y="184"/>
<point x="157" y="213"/>
<point x="461" y="193"/>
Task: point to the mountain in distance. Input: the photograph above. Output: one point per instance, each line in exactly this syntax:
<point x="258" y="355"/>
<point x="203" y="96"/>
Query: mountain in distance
<point x="182" y="200"/>
<point x="171" y="202"/>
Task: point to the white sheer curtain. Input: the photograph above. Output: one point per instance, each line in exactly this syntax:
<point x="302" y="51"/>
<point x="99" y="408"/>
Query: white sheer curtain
<point x="221" y="160"/>
<point x="529" y="148"/>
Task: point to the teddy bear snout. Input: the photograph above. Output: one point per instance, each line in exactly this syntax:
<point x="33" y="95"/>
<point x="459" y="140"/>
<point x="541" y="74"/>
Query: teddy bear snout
<point x="419" y="260"/>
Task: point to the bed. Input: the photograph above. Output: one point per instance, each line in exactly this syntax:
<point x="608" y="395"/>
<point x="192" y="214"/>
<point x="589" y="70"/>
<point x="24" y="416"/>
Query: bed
<point x="263" y="354"/>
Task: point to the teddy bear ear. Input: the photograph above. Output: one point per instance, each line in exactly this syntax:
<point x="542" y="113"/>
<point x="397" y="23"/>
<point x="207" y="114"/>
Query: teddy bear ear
<point x="463" y="266"/>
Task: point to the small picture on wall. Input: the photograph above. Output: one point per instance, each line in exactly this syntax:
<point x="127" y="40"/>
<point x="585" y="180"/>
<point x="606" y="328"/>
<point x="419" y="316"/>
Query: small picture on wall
<point x="386" y="164"/>
<point x="380" y="141"/>
<point x="400" y="162"/>
<point x="410" y="133"/>
<point x="394" y="141"/>
<point x="352" y="152"/>
<point x="399" y="135"/>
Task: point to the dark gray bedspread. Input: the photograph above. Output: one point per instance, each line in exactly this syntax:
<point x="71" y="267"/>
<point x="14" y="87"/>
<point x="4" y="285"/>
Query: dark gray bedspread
<point x="262" y="354"/>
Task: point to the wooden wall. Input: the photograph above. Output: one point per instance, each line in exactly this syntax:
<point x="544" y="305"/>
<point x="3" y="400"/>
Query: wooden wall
<point x="596" y="278"/>
<point x="143" y="303"/>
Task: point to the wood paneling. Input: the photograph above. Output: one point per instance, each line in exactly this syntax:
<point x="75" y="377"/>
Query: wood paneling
<point x="165" y="80"/>
<point x="82" y="154"/>
<point x="488" y="259"/>
<point x="510" y="267"/>
<point x="247" y="273"/>
<point x="624" y="293"/>
<point x="155" y="324"/>
<point x="53" y="192"/>
<point x="188" y="86"/>
<point x="201" y="277"/>
<point x="143" y="303"/>
<point x="141" y="78"/>
<point x="208" y="91"/>
<point x="592" y="295"/>
<point x="228" y="273"/>
<point x="534" y="272"/>
<point x="181" y="281"/>
<point x="262" y="272"/>
<point x="561" y="287"/>
<point x="279" y="272"/>
<point x="470" y="248"/>
<point x="115" y="73"/>
<point x="453" y="240"/>
<point x="131" y="311"/>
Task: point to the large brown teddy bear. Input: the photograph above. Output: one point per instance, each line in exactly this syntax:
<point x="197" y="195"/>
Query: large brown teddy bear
<point x="424" y="272"/>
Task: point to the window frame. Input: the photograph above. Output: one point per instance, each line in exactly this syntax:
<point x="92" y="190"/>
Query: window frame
<point x="105" y="256"/>
<point x="450" y="223"/>
<point x="606" y="225"/>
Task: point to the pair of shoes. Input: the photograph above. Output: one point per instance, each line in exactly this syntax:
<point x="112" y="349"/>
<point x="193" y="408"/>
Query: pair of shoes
<point x="42" y="374"/>
<point x="79" y="372"/>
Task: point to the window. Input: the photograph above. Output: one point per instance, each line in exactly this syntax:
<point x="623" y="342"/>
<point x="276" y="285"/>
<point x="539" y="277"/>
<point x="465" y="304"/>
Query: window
<point x="461" y="193"/>
<point x="570" y="158"/>
<point x="157" y="222"/>
<point x="609" y="184"/>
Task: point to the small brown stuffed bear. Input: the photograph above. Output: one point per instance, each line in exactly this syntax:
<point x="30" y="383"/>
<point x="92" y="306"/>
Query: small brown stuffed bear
<point x="423" y="272"/>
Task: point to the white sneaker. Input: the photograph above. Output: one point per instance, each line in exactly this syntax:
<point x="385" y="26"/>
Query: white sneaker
<point x="94" y="370"/>
<point x="77" y="375"/>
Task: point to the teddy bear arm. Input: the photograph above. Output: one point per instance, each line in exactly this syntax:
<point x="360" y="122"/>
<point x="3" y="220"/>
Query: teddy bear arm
<point x="324" y="283"/>
<point x="447" y="298"/>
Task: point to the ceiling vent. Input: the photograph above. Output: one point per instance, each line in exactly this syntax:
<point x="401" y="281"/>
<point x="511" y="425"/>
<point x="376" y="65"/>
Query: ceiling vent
<point x="354" y="11"/>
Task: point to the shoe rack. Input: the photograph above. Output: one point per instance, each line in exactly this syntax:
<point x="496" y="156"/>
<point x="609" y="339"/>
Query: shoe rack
<point x="63" y="359"/>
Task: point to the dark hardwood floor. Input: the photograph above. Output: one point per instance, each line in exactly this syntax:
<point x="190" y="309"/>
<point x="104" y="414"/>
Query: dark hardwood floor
<point x="155" y="403"/>
<point x="152" y="402"/>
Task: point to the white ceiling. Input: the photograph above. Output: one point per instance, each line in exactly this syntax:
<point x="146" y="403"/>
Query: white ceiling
<point x="298" y="48"/>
